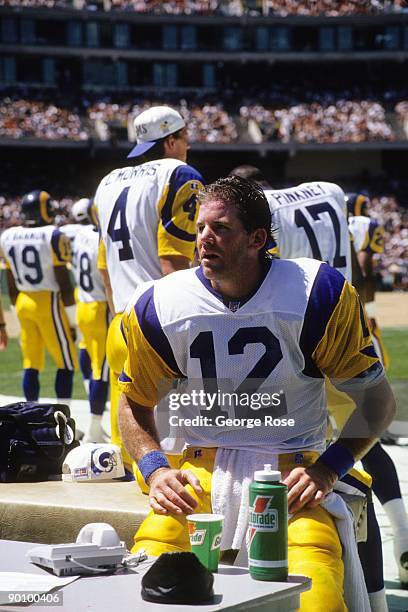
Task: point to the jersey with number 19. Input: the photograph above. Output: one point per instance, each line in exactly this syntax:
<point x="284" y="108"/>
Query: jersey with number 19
<point x="310" y="220"/>
<point x="32" y="254"/>
<point x="145" y="212"/>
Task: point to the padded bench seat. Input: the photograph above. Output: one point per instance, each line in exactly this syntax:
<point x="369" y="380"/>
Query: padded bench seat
<point x="53" y="512"/>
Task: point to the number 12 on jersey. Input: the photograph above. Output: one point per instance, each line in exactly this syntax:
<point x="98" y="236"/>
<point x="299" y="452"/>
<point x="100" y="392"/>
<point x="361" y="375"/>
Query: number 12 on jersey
<point x="203" y="349"/>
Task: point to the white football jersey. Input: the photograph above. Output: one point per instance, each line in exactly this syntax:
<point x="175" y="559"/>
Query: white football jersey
<point x="32" y="254"/>
<point x="367" y="234"/>
<point x="145" y="212"/>
<point x="265" y="359"/>
<point x="87" y="276"/>
<point x="310" y="220"/>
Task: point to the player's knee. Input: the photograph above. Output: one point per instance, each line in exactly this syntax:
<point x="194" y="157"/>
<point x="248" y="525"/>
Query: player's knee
<point x="158" y="534"/>
<point x="315" y="551"/>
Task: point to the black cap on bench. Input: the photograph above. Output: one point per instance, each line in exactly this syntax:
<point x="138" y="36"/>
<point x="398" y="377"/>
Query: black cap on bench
<point x="178" y="578"/>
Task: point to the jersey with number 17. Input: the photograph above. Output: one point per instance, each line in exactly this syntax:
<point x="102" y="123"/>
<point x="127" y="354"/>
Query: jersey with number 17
<point x="145" y="212"/>
<point x="310" y="220"/>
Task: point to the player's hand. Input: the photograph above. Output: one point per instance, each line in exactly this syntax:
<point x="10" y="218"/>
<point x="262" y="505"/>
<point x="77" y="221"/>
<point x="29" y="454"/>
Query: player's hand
<point x="73" y="333"/>
<point x="168" y="495"/>
<point x="3" y="339"/>
<point x="307" y="487"/>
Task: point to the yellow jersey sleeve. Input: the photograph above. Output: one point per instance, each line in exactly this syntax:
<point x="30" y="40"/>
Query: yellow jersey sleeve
<point x="178" y="210"/>
<point x="60" y="248"/>
<point x="101" y="259"/>
<point x="150" y="366"/>
<point x="346" y="349"/>
<point x="335" y="338"/>
<point x="374" y="238"/>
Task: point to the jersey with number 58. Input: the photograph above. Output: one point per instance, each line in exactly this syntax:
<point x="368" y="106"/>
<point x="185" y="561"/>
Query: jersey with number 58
<point x="32" y="254"/>
<point x="87" y="276"/>
<point x="310" y="220"/>
<point x="145" y="212"/>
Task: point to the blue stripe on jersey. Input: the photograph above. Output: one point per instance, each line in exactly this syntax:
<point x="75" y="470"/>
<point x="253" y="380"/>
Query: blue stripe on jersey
<point x="354" y="482"/>
<point x="123" y="377"/>
<point x="371" y="228"/>
<point x="180" y="176"/>
<point x="375" y="370"/>
<point x="369" y="351"/>
<point x="149" y="324"/>
<point x="323" y="299"/>
<point x="55" y="243"/>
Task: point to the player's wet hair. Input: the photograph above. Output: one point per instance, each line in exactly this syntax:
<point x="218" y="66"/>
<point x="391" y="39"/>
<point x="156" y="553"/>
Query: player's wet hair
<point x="249" y="200"/>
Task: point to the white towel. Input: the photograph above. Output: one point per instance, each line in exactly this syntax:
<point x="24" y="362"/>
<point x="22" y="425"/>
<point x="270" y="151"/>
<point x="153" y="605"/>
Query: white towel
<point x="355" y="592"/>
<point x="233" y="473"/>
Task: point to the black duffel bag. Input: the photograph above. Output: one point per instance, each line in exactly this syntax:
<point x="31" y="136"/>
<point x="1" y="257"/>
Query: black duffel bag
<point x="34" y="440"/>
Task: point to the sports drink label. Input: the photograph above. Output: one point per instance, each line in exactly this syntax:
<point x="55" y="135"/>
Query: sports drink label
<point x="267" y="531"/>
<point x="197" y="536"/>
<point x="263" y="517"/>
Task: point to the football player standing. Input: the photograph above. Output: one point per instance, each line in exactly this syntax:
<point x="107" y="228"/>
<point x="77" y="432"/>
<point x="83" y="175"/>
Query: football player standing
<point x="39" y="286"/>
<point x="146" y="215"/>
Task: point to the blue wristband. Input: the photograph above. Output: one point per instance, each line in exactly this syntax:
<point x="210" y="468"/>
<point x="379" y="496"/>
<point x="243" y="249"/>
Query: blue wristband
<point x="151" y="462"/>
<point x="338" y="458"/>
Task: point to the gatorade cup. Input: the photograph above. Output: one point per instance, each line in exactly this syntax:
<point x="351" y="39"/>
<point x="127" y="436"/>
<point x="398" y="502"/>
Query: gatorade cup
<point x="205" y="531"/>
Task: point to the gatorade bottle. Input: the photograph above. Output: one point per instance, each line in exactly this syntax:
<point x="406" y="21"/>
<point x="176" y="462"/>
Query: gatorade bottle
<point x="267" y="535"/>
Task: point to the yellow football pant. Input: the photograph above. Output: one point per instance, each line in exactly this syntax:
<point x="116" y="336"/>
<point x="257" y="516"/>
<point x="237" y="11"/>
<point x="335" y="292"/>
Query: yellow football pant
<point x="93" y="320"/>
<point x="314" y="546"/>
<point x="116" y="352"/>
<point x="44" y="324"/>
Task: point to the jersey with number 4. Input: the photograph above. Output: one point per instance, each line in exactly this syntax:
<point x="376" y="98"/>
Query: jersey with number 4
<point x="32" y="254"/>
<point x="310" y="220"/>
<point x="145" y="212"/>
<point x="268" y="358"/>
<point x="367" y="234"/>
<point x="87" y="276"/>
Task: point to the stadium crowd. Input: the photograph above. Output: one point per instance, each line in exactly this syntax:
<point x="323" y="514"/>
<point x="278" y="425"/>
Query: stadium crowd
<point x="37" y="119"/>
<point x="328" y="120"/>
<point x="225" y="7"/>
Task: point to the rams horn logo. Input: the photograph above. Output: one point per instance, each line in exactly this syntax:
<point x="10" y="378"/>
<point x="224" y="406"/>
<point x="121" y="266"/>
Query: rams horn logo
<point x="102" y="460"/>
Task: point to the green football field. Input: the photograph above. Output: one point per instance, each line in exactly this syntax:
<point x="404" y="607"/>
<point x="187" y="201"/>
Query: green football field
<point x="395" y="339"/>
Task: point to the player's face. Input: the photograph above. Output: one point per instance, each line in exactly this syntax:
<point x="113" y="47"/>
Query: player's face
<point x="179" y="146"/>
<point x="223" y="245"/>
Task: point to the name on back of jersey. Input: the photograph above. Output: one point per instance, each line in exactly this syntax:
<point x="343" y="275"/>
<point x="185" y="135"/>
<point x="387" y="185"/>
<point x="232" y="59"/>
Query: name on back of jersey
<point x="297" y="195"/>
<point x="131" y="172"/>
